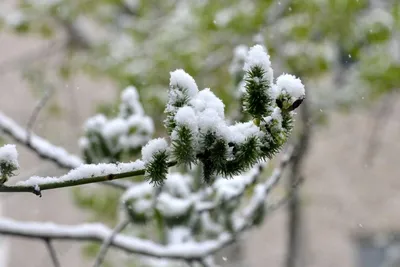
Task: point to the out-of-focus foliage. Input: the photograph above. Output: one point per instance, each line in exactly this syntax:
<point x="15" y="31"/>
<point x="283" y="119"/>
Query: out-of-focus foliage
<point x="137" y="41"/>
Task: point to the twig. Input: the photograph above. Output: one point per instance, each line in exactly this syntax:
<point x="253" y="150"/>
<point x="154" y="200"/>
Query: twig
<point x="294" y="212"/>
<point x="209" y="206"/>
<point x="261" y="192"/>
<point x="285" y="200"/>
<point x="52" y="252"/>
<point x="119" y="228"/>
<point x="107" y="243"/>
<point x="36" y="111"/>
<point x="286" y="158"/>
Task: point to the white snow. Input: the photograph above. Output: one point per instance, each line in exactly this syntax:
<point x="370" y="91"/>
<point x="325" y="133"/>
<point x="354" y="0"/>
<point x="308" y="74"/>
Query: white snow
<point x="142" y="205"/>
<point x="178" y="235"/>
<point x="257" y="56"/>
<point x="115" y="128"/>
<point x="239" y="55"/>
<point x="178" y="185"/>
<point x="85" y="171"/>
<point x="95" y="123"/>
<point x="100" y="232"/>
<point x="206" y="99"/>
<point x="239" y="132"/>
<point x="231" y="188"/>
<point x="83" y="143"/>
<point x="179" y="78"/>
<point x="171" y="206"/>
<point x="9" y="154"/>
<point x="275" y="91"/>
<point x="130" y="130"/>
<point x="153" y="146"/>
<point x="15" y="18"/>
<point x="137" y="191"/>
<point x="130" y="99"/>
<point x="291" y="85"/>
<point x="186" y="116"/>
<point x="209" y="120"/>
<point x="277" y="114"/>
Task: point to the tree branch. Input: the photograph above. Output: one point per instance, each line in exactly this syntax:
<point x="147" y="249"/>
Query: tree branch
<point x="294" y="208"/>
<point x="107" y="243"/>
<point x="35" y="113"/>
<point x="274" y="178"/>
<point x="84" y="174"/>
<point x="99" y="233"/>
<point x="52" y="252"/>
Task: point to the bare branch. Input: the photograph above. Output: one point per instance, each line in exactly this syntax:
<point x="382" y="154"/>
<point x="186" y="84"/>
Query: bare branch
<point x="52" y="252"/>
<point x="107" y="243"/>
<point x="42" y="102"/>
<point x="294" y="208"/>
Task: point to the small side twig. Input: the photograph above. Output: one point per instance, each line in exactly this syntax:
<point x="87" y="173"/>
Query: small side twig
<point x="108" y="242"/>
<point x="35" y="113"/>
<point x="52" y="252"/>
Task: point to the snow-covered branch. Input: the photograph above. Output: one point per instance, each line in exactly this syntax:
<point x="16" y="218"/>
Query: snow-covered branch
<point x="192" y="251"/>
<point x="40" y="146"/>
<point x="84" y="174"/>
<point x="100" y="233"/>
<point x="48" y="151"/>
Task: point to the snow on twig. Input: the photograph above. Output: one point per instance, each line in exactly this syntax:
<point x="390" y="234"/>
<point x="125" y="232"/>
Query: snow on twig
<point x="84" y="174"/>
<point x="98" y="232"/>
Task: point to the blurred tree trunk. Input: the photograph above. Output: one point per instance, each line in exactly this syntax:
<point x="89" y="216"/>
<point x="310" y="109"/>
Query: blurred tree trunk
<point x="295" y="222"/>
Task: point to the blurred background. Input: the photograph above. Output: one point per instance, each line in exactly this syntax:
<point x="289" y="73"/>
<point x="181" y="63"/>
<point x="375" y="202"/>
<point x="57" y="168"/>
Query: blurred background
<point x="80" y="54"/>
